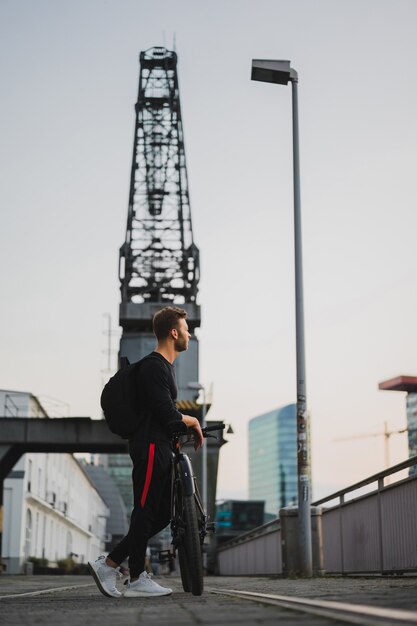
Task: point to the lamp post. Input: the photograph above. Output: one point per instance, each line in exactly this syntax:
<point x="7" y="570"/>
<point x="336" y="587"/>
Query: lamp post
<point x="200" y="387"/>
<point x="280" y="72"/>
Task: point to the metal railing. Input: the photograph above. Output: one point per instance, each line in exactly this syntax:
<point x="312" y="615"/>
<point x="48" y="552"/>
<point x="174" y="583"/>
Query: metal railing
<point x="373" y="532"/>
<point x="10" y="407"/>
<point x="379" y="477"/>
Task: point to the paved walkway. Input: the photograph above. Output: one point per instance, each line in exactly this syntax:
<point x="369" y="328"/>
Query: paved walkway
<point x="77" y="601"/>
<point x="394" y="592"/>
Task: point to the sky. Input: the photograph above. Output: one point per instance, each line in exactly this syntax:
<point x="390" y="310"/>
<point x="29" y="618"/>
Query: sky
<point x="69" y="76"/>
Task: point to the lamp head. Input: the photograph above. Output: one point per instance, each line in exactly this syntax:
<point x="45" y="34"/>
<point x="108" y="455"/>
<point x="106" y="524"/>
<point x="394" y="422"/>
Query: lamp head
<point x="268" y="71"/>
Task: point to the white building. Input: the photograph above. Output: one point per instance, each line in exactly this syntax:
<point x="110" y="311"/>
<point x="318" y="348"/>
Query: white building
<point x="51" y="507"/>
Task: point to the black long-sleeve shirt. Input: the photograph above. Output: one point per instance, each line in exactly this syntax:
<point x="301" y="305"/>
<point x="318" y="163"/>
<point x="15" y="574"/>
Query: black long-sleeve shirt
<point x="157" y="393"/>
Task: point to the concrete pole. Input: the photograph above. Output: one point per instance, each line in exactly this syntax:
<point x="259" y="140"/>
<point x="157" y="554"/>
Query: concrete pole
<point x="303" y="461"/>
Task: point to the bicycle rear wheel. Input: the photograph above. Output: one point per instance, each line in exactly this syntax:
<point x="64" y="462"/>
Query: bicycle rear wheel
<point x="192" y="546"/>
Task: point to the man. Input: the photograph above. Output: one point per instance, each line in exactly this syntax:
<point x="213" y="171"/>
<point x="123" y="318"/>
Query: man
<point x="151" y="456"/>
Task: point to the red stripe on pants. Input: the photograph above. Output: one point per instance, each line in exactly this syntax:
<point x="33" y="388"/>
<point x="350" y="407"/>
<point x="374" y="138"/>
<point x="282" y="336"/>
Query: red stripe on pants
<point x="148" y="478"/>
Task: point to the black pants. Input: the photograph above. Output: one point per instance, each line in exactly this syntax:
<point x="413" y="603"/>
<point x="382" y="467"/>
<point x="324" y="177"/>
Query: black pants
<point x="151" y="512"/>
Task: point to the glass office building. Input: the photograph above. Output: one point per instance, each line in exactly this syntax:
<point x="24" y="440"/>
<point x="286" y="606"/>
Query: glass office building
<point x="273" y="458"/>
<point x="234" y="517"/>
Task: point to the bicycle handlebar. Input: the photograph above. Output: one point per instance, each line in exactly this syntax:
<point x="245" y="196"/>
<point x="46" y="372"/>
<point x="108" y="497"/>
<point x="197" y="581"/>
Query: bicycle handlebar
<point x="178" y="428"/>
<point x="208" y="429"/>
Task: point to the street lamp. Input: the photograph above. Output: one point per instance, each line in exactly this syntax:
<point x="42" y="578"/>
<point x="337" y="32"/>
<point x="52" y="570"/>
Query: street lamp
<point x="280" y="72"/>
<point x="199" y="387"/>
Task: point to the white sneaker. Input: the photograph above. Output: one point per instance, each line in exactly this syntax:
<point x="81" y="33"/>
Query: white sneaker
<point x="105" y="577"/>
<point x="145" y="587"/>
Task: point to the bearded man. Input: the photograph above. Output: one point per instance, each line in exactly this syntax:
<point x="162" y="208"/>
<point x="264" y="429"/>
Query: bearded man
<point x="151" y="455"/>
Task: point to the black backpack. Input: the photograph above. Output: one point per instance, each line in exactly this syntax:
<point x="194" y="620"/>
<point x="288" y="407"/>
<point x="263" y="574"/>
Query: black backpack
<point x="120" y="401"/>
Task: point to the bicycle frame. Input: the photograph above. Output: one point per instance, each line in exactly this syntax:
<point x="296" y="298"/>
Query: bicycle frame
<point x="184" y="469"/>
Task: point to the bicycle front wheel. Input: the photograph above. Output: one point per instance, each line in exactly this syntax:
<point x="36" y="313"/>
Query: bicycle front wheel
<point x="185" y="572"/>
<point x="192" y="546"/>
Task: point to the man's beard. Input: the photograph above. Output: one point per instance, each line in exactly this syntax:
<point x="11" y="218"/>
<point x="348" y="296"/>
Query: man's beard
<point x="180" y="344"/>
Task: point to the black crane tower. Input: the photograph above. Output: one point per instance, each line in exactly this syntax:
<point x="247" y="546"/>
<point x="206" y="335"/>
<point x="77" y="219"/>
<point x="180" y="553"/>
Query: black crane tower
<point x="159" y="262"/>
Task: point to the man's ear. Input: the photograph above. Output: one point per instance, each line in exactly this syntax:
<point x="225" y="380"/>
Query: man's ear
<point x="174" y="333"/>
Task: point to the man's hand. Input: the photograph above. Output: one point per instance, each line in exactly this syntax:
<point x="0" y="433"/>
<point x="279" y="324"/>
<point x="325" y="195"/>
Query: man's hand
<point x="193" y="424"/>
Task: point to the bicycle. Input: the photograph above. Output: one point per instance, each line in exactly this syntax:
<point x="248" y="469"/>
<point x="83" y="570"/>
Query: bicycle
<point x="189" y="524"/>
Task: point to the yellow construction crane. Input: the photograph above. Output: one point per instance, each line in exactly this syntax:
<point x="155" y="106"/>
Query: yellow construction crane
<point x="386" y="434"/>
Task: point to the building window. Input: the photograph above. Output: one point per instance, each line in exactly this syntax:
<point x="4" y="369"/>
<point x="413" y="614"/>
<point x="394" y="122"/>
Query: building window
<point x="44" y="551"/>
<point x="30" y="475"/>
<point x="69" y="543"/>
<point x="35" y="549"/>
<point x="28" y="534"/>
<point x="51" y="543"/>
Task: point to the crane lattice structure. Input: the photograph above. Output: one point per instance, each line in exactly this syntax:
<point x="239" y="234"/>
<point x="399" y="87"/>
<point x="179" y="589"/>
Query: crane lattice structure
<point x="159" y="262"/>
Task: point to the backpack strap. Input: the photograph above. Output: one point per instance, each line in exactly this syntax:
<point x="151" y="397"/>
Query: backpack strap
<point x="124" y="362"/>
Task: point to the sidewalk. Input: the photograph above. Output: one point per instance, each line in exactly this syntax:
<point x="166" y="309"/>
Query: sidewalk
<point x="394" y="592"/>
<point x="77" y="601"/>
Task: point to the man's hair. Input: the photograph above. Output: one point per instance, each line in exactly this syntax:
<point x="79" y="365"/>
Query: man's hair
<point x="166" y="319"/>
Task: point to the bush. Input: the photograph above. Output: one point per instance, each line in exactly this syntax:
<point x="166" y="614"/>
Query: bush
<point x="64" y="566"/>
<point x="38" y="561"/>
<point x="67" y="564"/>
